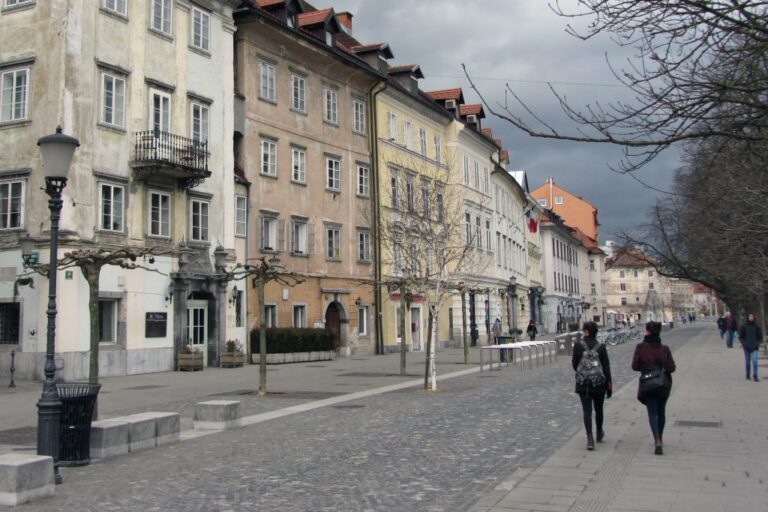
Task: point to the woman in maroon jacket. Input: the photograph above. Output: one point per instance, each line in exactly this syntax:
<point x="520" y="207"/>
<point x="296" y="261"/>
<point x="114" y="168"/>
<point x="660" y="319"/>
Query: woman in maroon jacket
<point x="649" y="355"/>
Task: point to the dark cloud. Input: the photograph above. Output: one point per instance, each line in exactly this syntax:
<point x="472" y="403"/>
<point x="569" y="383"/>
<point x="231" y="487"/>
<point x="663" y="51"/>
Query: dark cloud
<point x="524" y="44"/>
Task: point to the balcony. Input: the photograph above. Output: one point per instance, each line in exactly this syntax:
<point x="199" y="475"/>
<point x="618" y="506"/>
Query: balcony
<point x="163" y="154"/>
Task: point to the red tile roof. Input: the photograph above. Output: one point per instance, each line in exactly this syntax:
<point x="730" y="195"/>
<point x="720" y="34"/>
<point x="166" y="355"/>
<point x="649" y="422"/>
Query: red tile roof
<point x="314" y="17"/>
<point x="489" y="133"/>
<point x="413" y="69"/>
<point x="269" y="3"/>
<point x="474" y="108"/>
<point x="446" y="94"/>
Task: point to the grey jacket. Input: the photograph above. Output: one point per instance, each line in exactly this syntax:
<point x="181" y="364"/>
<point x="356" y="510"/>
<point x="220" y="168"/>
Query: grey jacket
<point x="750" y="336"/>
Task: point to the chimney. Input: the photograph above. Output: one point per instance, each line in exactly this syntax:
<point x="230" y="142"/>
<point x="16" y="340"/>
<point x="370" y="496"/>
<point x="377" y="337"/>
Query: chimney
<point x="345" y="20"/>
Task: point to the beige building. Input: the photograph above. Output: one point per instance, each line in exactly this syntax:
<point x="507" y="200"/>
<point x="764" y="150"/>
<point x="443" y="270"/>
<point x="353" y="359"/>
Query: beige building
<point x="146" y="87"/>
<point x="302" y="132"/>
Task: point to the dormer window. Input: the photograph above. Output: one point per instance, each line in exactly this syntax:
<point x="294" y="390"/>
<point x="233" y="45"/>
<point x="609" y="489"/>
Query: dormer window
<point x="291" y="20"/>
<point x="329" y="38"/>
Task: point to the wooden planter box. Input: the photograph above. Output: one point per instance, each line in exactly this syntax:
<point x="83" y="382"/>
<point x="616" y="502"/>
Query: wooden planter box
<point x="190" y="362"/>
<point x="232" y="359"/>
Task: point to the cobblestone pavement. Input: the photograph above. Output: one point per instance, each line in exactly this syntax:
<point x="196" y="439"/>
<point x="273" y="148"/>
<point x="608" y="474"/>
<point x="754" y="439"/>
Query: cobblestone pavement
<point x="409" y="450"/>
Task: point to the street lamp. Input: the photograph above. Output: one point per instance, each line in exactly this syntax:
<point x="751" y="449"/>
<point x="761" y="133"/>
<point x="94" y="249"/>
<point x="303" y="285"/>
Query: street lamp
<point x="57" y="151"/>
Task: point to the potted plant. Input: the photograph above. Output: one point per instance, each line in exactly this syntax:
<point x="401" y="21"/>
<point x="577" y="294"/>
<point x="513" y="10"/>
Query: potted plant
<point x="190" y="359"/>
<point x="233" y="355"/>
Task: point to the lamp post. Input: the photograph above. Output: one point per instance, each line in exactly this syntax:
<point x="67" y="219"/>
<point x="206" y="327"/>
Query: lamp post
<point x="57" y="151"/>
<point x="511" y="313"/>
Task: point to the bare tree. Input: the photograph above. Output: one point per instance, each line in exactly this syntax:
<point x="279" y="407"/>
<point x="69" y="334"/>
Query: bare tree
<point x="698" y="71"/>
<point x="423" y="244"/>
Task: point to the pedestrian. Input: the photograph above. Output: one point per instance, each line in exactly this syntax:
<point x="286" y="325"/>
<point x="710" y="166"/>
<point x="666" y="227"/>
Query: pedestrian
<point x="750" y="337"/>
<point x="730" y="329"/>
<point x="496" y="330"/>
<point x="532" y="331"/>
<point x="651" y="355"/>
<point x="721" y="326"/>
<point x="593" y="380"/>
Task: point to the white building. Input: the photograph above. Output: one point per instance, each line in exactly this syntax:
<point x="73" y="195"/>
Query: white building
<point x="147" y="88"/>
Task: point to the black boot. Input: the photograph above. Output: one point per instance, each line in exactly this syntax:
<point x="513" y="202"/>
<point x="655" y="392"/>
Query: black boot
<point x="658" y="448"/>
<point x="590" y="441"/>
<point x="600" y="436"/>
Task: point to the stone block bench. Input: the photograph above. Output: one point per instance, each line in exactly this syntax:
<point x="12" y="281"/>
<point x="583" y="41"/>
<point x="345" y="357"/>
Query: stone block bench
<point x="24" y="478"/>
<point x="118" y="436"/>
<point x="217" y="415"/>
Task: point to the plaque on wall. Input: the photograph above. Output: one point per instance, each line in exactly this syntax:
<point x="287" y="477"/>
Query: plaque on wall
<point x="156" y="325"/>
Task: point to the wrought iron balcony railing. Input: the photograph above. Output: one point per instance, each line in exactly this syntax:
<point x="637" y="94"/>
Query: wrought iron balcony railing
<point x="164" y="153"/>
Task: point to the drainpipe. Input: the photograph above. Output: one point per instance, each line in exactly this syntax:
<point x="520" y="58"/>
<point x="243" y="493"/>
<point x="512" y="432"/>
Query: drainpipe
<point x="374" y="91"/>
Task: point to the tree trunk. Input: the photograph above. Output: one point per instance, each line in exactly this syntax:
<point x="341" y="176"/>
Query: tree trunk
<point x="91" y="275"/>
<point x="435" y="314"/>
<point x="464" y="326"/>
<point x="262" y="338"/>
<point x="402" y="326"/>
<point x="428" y="358"/>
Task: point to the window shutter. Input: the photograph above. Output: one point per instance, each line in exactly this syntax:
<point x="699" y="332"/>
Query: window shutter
<point x="280" y="235"/>
<point x="310" y="238"/>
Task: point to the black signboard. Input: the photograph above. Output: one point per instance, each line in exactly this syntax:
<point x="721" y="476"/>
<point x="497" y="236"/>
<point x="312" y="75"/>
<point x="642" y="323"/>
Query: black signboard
<point x="156" y="325"/>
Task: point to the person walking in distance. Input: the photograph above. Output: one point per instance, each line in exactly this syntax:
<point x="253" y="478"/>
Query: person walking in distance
<point x="532" y="331"/>
<point x="750" y="337"/>
<point x="593" y="380"/>
<point x="730" y="329"/>
<point x="721" y="326"/>
<point x="651" y="355"/>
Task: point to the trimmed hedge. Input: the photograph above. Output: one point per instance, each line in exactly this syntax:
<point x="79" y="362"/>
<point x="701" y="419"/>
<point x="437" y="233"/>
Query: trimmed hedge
<point x="288" y="340"/>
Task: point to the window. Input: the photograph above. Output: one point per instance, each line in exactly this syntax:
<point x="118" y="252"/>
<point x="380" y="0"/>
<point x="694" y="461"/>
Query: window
<point x="650" y="286"/>
<point x="241" y="216"/>
<point x="478" y="233"/>
<point x="199" y="220"/>
<point x="488" y="234"/>
<point x="111" y="208"/>
<point x="10" y="316"/>
<point x="634" y="273"/>
<point x="270" y="315"/>
<point x="623" y="301"/>
<point x="407" y="133"/>
<point x="392" y="126"/>
<point x="238" y="304"/>
<point x="558" y="199"/>
<point x="160" y="111"/>
<point x="468" y="226"/>
<point x="409" y="195"/>
<point x="298" y="93"/>
<point x="358" y="116"/>
<point x="477" y="176"/>
<point x="117" y="6"/>
<point x="423" y="141"/>
<point x="11" y="204"/>
<point x="593" y="289"/>
<point x="362" y="320"/>
<point x="268" y="233"/>
<point x="112" y="100"/>
<point x="466" y="170"/>
<point x="333" y="173"/>
<point x="397" y="258"/>
<point x="299" y="316"/>
<point x="329" y="106"/>
<point x="11" y="3"/>
<point x="439" y="200"/>
<point x="591" y="264"/>
<point x="621" y="273"/>
<point x="159" y="214"/>
<point x="268" y="157"/>
<point x="266" y="81"/>
<point x="13" y="96"/>
<point x="201" y="30"/>
<point x="623" y="287"/>
<point x="298" y="236"/>
<point x="364" y="245"/>
<point x="650" y="273"/>
<point x="298" y="165"/>
<point x="486" y="180"/>
<point x="543" y="202"/>
<point x="393" y="190"/>
<point x="363" y="181"/>
<point x="438" y="148"/>
<point x="161" y="15"/>
<point x="107" y="321"/>
<point x="425" y="200"/>
<point x="199" y="123"/>
<point x="333" y="242"/>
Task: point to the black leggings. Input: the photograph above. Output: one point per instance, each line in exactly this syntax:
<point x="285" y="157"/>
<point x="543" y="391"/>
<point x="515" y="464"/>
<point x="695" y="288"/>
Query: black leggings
<point x="657" y="414"/>
<point x="587" y="400"/>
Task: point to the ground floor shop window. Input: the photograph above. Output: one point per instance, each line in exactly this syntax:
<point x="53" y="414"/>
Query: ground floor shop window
<point x="9" y="323"/>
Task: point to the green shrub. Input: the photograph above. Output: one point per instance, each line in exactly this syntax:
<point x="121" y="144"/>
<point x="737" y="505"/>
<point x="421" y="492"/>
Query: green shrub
<point x="288" y="340"/>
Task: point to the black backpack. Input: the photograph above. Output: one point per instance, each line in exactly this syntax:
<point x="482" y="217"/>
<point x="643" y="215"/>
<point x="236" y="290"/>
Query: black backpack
<point x="590" y="370"/>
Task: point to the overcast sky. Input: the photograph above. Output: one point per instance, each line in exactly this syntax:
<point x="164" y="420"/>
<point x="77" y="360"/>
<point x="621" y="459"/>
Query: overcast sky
<point x="522" y="43"/>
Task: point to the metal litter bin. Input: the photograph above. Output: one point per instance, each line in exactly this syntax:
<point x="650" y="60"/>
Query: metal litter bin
<point x="77" y="402"/>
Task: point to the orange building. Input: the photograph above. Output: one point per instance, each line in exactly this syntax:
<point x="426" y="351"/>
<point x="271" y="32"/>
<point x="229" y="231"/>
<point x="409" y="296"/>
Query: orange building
<point x="575" y="211"/>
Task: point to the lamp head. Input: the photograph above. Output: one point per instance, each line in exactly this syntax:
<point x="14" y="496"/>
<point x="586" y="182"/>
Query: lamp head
<point x="57" y="151"/>
<point x="220" y="257"/>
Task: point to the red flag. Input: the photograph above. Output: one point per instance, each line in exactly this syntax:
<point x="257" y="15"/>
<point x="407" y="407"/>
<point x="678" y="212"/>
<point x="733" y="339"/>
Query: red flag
<point x="532" y="225"/>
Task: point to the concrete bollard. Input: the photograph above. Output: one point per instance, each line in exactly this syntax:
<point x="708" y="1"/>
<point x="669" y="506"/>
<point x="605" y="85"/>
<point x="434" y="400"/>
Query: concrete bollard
<point x="24" y="478"/>
<point x="109" y="438"/>
<point x="217" y="415"/>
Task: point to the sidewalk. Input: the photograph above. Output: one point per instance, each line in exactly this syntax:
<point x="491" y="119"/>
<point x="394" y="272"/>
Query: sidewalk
<point x="715" y="448"/>
<point x="288" y="385"/>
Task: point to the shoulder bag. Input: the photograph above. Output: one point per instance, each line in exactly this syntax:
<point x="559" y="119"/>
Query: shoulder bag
<point x="651" y="380"/>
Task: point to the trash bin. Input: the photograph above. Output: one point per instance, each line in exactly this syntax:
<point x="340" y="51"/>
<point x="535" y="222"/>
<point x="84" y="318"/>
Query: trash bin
<point x="77" y="402"/>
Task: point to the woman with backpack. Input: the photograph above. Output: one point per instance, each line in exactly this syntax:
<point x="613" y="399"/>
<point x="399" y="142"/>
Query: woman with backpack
<point x="652" y="358"/>
<point x="593" y="380"/>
